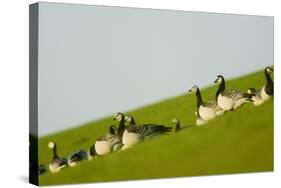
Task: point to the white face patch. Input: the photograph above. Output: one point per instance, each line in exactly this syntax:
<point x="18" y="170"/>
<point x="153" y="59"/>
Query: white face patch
<point x="51" y="145"/>
<point x="193" y="89"/>
<point x="268" y="70"/>
<point x="174" y="120"/>
<point x="118" y="117"/>
<point x="219" y="80"/>
<point x="129" y="119"/>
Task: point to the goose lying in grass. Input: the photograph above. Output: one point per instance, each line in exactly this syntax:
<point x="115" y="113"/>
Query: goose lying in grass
<point x="76" y="157"/>
<point x="206" y="110"/>
<point x="177" y="124"/>
<point x="135" y="134"/>
<point x="230" y="99"/>
<point x="108" y="143"/>
<point x="57" y="163"/>
<point x="266" y="92"/>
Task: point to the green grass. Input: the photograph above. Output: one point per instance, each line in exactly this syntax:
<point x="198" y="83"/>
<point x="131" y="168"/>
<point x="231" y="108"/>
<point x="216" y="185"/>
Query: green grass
<point x="237" y="142"/>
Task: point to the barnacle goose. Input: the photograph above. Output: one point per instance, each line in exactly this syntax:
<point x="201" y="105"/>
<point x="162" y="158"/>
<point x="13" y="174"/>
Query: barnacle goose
<point x="76" y="157"/>
<point x="108" y="143"/>
<point x="206" y="110"/>
<point x="57" y="163"/>
<point x="263" y="94"/>
<point x="177" y="124"/>
<point x="229" y="99"/>
<point x="135" y="134"/>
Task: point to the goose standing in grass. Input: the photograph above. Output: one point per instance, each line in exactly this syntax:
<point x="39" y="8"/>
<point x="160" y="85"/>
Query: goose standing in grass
<point x="177" y="124"/>
<point x="266" y="92"/>
<point x="135" y="134"/>
<point x="206" y="110"/>
<point x="57" y="163"/>
<point x="76" y="157"/>
<point x="108" y="143"/>
<point x="230" y="99"/>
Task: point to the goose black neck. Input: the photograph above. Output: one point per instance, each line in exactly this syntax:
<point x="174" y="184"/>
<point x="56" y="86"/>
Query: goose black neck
<point x="92" y="151"/>
<point x="269" y="84"/>
<point x="199" y="98"/>
<point x="121" y="126"/>
<point x="133" y="122"/>
<point x="112" y="129"/>
<point x="221" y="88"/>
<point x="55" y="155"/>
<point x="177" y="126"/>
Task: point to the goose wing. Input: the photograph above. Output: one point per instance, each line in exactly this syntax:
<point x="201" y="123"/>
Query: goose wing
<point x="149" y="129"/>
<point x="234" y="94"/>
<point x="210" y="104"/>
<point x="110" y="138"/>
<point x="78" y="155"/>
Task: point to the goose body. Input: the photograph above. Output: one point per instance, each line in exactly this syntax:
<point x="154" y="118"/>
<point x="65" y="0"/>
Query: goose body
<point x="206" y="110"/>
<point x="131" y="138"/>
<point x="76" y="157"/>
<point x="57" y="163"/>
<point x="134" y="134"/>
<point x="108" y="143"/>
<point x="210" y="110"/>
<point x="229" y="99"/>
<point x="264" y="95"/>
<point x="200" y="121"/>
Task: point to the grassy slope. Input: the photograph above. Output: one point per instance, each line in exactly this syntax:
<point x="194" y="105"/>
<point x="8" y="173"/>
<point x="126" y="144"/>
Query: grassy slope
<point x="240" y="141"/>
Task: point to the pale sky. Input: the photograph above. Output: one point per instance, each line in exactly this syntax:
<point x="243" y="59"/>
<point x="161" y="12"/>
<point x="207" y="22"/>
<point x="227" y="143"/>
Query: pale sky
<point x="97" y="60"/>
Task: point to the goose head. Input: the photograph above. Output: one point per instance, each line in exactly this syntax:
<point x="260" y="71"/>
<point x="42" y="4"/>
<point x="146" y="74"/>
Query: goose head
<point x="129" y="119"/>
<point x="51" y="145"/>
<point x="175" y="121"/>
<point x="194" y="89"/>
<point x="118" y="116"/>
<point x="268" y="70"/>
<point x="219" y="79"/>
<point x="251" y="91"/>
